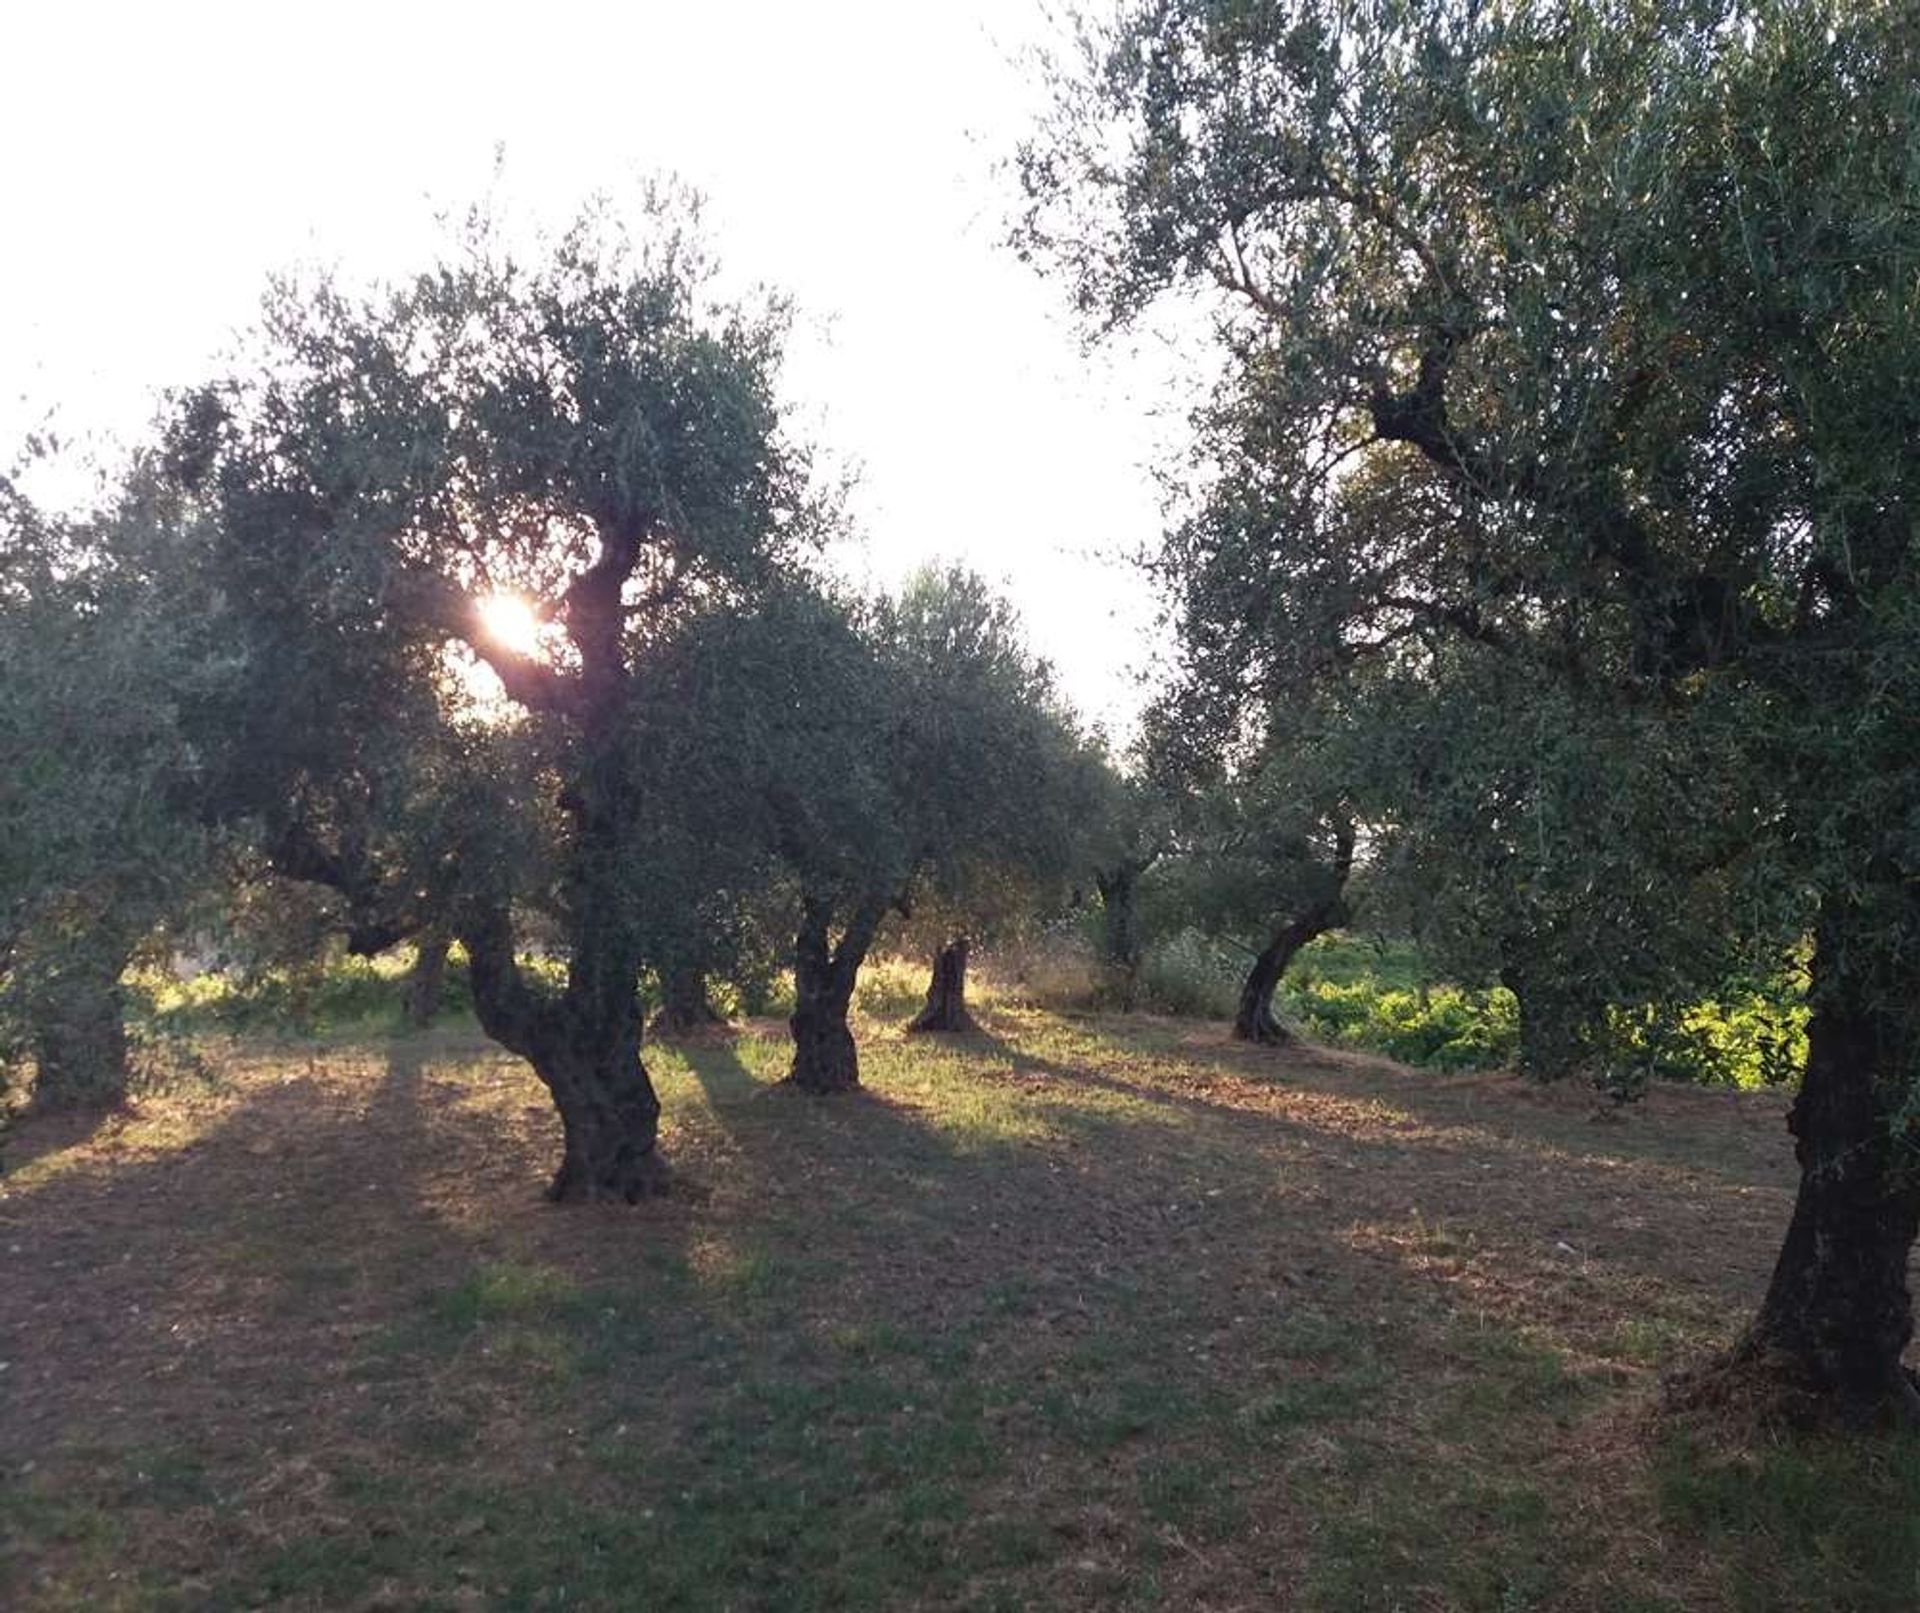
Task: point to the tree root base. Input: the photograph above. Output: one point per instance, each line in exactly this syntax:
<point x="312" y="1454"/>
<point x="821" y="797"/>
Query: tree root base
<point x="1755" y="1389"/>
<point x="962" y="1024"/>
<point x="631" y="1182"/>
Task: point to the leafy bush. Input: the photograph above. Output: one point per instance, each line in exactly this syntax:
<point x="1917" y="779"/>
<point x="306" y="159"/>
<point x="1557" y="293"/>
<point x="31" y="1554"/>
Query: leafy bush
<point x="1190" y="974"/>
<point x="333" y="992"/>
<point x="1444" y="1028"/>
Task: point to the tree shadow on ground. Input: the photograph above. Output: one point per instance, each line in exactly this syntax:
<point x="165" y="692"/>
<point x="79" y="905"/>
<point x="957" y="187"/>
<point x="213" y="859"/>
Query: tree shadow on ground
<point x="238" y="1270"/>
<point x="1001" y="1315"/>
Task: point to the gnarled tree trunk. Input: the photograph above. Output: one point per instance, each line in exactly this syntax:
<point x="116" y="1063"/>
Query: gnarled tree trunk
<point x="584" y="1044"/>
<point x="824" y="972"/>
<point x="1254" y="1020"/>
<point x="684" y="1004"/>
<point x="427" y="979"/>
<point x="1837" y="1315"/>
<point x="946" y="1006"/>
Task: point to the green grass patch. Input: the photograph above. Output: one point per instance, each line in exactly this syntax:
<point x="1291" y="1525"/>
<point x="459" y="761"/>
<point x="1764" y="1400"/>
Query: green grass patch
<point x="1805" y="1522"/>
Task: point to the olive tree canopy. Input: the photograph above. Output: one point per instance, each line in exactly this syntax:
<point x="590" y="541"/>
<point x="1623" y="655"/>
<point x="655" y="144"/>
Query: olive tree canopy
<point x="1586" y="335"/>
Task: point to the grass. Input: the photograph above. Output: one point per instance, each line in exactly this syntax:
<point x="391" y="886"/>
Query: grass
<point x="1074" y="1313"/>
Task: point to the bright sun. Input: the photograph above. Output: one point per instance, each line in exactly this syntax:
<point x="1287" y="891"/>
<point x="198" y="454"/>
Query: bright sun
<point x="511" y="623"/>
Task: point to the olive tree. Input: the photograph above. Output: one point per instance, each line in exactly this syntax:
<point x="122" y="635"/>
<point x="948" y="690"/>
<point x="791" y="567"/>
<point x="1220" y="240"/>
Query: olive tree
<point x="1614" y="304"/>
<point x="877" y="752"/>
<point x="548" y="467"/>
<point x="990" y="771"/>
<point x="98" y="839"/>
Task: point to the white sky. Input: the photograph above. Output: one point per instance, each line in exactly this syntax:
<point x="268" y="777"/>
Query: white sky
<point x="158" y="160"/>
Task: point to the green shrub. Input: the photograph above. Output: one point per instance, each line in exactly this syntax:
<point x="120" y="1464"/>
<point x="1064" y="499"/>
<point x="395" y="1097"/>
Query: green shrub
<point x="1190" y="974"/>
<point x="1445" y="1027"/>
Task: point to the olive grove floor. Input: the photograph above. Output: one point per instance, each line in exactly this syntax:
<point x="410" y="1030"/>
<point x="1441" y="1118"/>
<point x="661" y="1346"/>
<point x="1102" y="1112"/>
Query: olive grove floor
<point x="1067" y="1314"/>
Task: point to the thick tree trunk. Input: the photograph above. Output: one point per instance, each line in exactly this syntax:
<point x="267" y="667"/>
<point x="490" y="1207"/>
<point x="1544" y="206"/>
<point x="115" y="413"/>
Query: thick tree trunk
<point x="946" y="1006"/>
<point x="79" y="1032"/>
<point x="1254" y="1020"/>
<point x="824" y="1057"/>
<point x="1550" y="1041"/>
<point x="426" y="980"/>
<point x="1120" y="931"/>
<point x="610" y="1118"/>
<point x="1837" y="1315"/>
<point x="684" y="1005"/>
<point x="584" y="1044"/>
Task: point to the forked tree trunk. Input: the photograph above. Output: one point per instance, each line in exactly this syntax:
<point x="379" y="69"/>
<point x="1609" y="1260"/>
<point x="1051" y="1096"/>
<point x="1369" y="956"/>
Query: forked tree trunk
<point x="78" y="1031"/>
<point x="1837" y="1315"/>
<point x="824" y="1056"/>
<point x="427" y="979"/>
<point x="584" y="1044"/>
<point x="684" y="1003"/>
<point x="946" y="1006"/>
<point x="1254" y="1020"/>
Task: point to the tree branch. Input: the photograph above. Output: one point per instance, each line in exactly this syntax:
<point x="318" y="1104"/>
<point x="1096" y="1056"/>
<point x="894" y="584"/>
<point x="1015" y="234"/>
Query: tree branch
<point x="450" y="609"/>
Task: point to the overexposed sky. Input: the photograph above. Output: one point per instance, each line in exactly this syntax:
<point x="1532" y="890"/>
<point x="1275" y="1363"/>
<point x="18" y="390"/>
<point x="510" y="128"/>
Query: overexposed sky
<point x="157" y="161"/>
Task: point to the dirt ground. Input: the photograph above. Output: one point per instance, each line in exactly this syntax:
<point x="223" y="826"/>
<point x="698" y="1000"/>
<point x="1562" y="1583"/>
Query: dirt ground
<point x="1068" y="1313"/>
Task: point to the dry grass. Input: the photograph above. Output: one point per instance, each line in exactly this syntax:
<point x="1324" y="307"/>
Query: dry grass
<point x="1069" y="1314"/>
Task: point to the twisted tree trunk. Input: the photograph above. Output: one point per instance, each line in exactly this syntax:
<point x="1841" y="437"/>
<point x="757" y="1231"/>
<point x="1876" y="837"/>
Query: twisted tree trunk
<point x="1254" y="1020"/>
<point x="584" y="1044"/>
<point x="824" y="972"/>
<point x="946" y="1006"/>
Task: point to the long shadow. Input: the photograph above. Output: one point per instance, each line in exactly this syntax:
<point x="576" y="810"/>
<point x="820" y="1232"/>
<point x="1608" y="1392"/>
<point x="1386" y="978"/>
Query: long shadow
<point x="247" y="1265"/>
<point x="33" y="1134"/>
<point x="1522" y="1182"/>
<point x="287" y="1289"/>
<point x="1492" y="1123"/>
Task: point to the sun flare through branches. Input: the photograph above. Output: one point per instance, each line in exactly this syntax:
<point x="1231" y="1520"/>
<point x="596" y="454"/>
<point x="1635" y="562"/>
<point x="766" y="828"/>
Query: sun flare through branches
<point x="512" y="623"/>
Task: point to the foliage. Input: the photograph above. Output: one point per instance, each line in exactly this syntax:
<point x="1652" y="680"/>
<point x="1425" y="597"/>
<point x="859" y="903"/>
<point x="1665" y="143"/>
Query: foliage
<point x="99" y="833"/>
<point x="1569" y="377"/>
<point x="588" y="445"/>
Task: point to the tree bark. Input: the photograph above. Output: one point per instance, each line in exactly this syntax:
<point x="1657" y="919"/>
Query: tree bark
<point x="1120" y="930"/>
<point x="584" y="1044"/>
<point x="1120" y="934"/>
<point x="1837" y="1315"/>
<point x="685" y="1005"/>
<point x="946" y="1006"/>
<point x="824" y="972"/>
<point x="426" y="980"/>
<point x="1254" y="1020"/>
<point x="79" y="1032"/>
